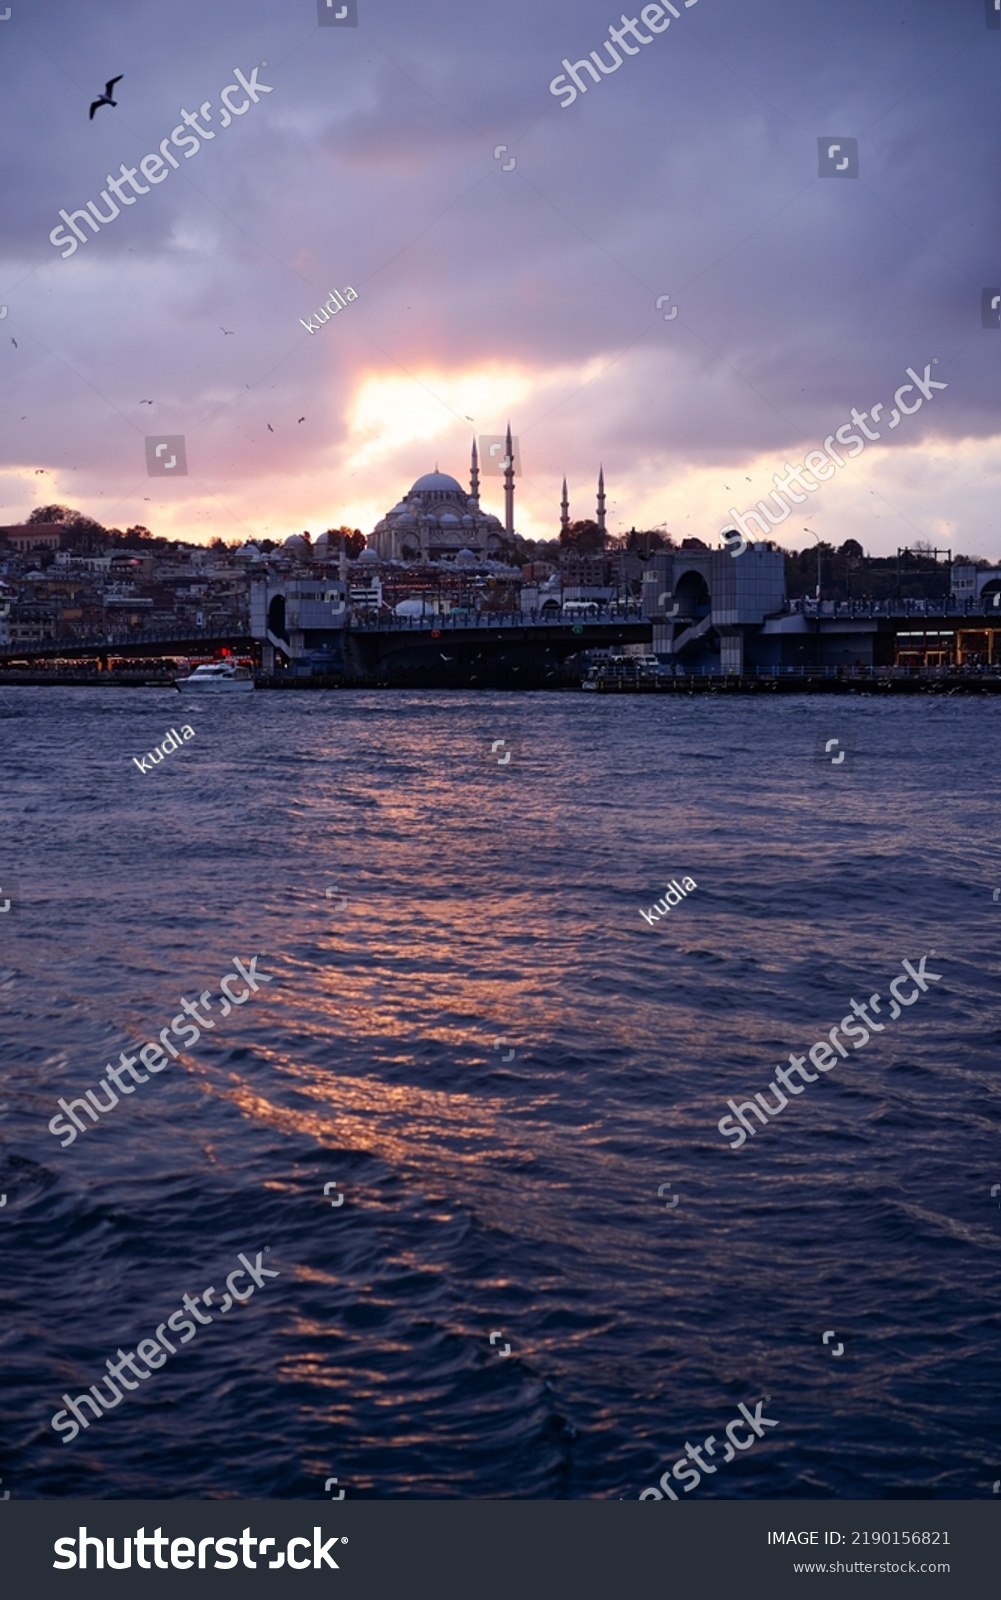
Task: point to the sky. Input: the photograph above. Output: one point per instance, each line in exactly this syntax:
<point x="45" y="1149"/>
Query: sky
<point x="379" y="158"/>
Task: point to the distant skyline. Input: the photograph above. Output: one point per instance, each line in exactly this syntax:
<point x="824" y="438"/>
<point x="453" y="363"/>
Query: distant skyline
<point x="508" y="251"/>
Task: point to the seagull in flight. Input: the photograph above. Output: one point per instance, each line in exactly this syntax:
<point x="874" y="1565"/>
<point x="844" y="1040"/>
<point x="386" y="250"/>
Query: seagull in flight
<point x="226" y="330"/>
<point x="270" y="428"/>
<point x="106" y="99"/>
<point x="302" y="419"/>
<point x="145" y="402"/>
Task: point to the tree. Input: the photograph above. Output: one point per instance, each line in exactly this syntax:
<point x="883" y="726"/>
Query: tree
<point x="852" y="550"/>
<point x="651" y="539"/>
<point x="66" y="516"/>
<point x="582" y="539"/>
<point x="352" y="537"/>
<point x="50" y="514"/>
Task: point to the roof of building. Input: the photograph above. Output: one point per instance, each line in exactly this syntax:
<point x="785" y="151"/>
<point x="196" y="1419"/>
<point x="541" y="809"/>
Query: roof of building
<point x="440" y="481"/>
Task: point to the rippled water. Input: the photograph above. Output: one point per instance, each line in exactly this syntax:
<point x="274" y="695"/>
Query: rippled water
<point x="486" y="1193"/>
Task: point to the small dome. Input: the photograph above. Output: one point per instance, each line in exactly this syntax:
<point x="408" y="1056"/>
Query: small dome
<point x="368" y="555"/>
<point x="467" y="521"/>
<point x="448" y="517"/>
<point x="465" y="555"/>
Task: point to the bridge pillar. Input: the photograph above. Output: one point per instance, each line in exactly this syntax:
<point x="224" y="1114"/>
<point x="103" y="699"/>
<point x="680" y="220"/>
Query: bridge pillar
<point x="731" y="652"/>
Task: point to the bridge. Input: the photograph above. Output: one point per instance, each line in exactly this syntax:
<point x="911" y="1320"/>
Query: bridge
<point x="489" y="649"/>
<point x="135" y="642"/>
<point x="516" y="649"/>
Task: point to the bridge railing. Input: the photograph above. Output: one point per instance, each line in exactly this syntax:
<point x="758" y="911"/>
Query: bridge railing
<point x="119" y="638"/>
<point x="895" y="608"/>
<point x="493" y="619"/>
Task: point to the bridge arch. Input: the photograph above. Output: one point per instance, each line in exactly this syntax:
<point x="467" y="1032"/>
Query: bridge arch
<point x="692" y="594"/>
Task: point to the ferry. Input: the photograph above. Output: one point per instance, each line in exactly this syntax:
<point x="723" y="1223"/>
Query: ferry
<point x="218" y="677"/>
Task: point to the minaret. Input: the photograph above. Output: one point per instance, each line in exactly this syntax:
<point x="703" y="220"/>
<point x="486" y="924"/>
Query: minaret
<point x="601" y="498"/>
<point x="508" y="484"/>
<point x="474" y="476"/>
<point x="564" y="510"/>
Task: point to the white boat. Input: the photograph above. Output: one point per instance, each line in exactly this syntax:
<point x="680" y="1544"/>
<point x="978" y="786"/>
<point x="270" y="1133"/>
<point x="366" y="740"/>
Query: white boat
<point x="217" y="677"/>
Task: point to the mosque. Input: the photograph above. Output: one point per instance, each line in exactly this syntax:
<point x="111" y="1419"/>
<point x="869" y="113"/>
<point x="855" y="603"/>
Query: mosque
<point x="438" y="521"/>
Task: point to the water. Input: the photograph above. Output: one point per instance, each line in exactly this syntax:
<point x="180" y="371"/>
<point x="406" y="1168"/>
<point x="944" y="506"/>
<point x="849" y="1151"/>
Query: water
<point x="486" y="1193"/>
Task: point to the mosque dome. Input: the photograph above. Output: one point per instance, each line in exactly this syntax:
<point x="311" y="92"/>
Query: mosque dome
<point x="439" y="482"/>
<point x="369" y="555"/>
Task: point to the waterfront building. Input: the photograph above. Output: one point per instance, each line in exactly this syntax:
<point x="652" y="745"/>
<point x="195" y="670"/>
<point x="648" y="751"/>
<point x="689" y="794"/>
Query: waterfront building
<point x="34" y="536"/>
<point x="713" y="612"/>
<point x="974" y="583"/>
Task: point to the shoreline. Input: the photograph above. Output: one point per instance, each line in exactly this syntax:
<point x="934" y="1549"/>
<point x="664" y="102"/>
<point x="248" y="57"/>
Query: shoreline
<point x="783" y="685"/>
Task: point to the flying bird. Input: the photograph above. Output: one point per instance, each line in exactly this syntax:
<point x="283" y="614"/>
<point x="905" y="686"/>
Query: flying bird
<point x="302" y="419"/>
<point x="14" y="343"/>
<point x="270" y="428"/>
<point x="145" y="402"/>
<point x="106" y="99"/>
<point x="225" y="330"/>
